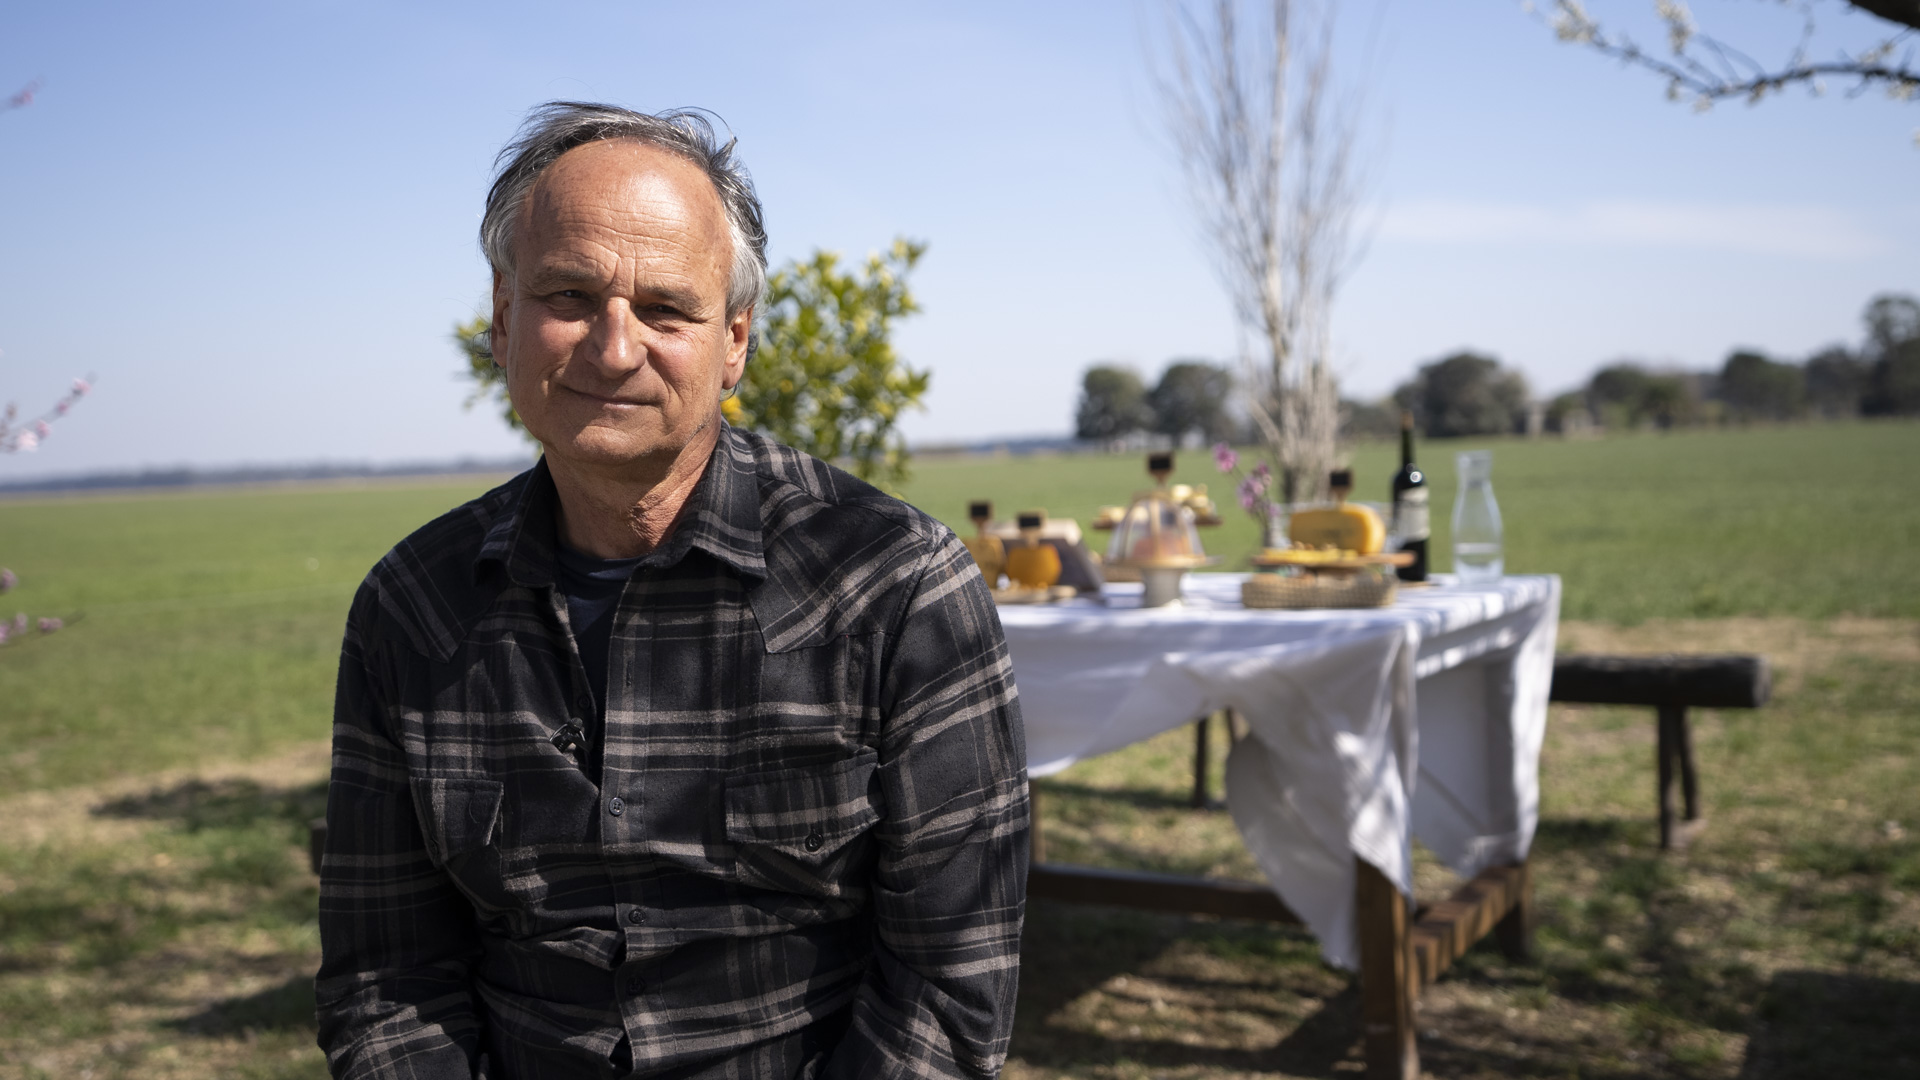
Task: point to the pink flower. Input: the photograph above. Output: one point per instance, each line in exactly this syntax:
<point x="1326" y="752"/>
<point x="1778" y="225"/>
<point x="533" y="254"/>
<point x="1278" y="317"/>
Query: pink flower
<point x="80" y="387"/>
<point x="7" y="579"/>
<point x="60" y="407"/>
<point x="41" y="429"/>
<point x="27" y="441"/>
<point x="19" y="622"/>
<point x="48" y="626"/>
<point x="1252" y="489"/>
<point x="1224" y="458"/>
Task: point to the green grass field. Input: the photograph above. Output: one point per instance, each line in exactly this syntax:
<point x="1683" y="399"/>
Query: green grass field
<point x="1810" y="521"/>
<point x="161" y="756"/>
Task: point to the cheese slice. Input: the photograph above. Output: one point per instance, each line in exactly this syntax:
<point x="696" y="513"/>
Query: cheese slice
<point x="1354" y="528"/>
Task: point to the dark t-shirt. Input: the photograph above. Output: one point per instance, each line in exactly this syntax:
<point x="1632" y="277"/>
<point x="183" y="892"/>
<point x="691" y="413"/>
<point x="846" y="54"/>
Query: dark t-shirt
<point x="592" y="588"/>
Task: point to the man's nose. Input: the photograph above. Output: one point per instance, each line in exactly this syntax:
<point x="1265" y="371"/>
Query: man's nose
<point x="614" y="344"/>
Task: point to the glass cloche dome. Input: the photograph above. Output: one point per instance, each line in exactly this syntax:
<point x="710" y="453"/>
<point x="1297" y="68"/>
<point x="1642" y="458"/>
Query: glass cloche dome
<point x="1157" y="536"/>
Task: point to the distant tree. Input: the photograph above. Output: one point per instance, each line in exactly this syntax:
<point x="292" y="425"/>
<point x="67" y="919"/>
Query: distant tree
<point x="1366" y="420"/>
<point x="1893" y="350"/>
<point x="1113" y="404"/>
<point x="1836" y="382"/>
<point x="1567" y="412"/>
<point x="1670" y="399"/>
<point x="825" y="378"/>
<point x="1617" y="393"/>
<point x="1757" y="388"/>
<point x="1466" y="394"/>
<point x="1192" y="395"/>
<point x="1627" y="395"/>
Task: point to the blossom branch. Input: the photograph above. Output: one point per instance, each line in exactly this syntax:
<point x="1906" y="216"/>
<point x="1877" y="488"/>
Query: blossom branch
<point x="1709" y="70"/>
<point x="26" y="435"/>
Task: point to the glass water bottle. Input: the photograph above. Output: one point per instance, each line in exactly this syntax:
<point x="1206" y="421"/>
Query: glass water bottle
<point x="1477" y="557"/>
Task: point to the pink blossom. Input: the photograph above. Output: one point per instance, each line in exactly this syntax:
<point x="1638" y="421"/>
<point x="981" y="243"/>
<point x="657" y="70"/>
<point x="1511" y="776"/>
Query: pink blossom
<point x="27" y="441"/>
<point x="1251" y="490"/>
<point x="41" y="429"/>
<point x="60" y="408"/>
<point x="8" y="579"/>
<point x="6" y="631"/>
<point x="1224" y="458"/>
<point x="81" y="387"/>
<point x="19" y="622"/>
<point x="48" y="626"/>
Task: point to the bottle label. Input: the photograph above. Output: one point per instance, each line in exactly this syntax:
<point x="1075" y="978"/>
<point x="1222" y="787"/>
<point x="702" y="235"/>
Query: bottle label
<point x="1410" y="515"/>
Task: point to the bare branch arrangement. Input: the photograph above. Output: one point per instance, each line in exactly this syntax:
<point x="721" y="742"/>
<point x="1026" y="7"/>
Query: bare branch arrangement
<point x="1266" y="138"/>
<point x="1705" y="69"/>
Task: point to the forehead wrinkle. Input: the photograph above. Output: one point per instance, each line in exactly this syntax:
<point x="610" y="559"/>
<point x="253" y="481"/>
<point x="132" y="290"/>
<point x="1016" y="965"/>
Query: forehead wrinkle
<point x="639" y="218"/>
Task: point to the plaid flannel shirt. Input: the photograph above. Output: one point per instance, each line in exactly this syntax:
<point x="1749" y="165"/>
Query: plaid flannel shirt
<point x="795" y="846"/>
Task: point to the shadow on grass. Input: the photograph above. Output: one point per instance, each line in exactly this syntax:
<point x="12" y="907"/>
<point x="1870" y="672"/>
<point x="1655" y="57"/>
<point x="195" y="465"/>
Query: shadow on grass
<point x="198" y="805"/>
<point x="1071" y="950"/>
<point x="286" y="1007"/>
<point x="1815" y="1024"/>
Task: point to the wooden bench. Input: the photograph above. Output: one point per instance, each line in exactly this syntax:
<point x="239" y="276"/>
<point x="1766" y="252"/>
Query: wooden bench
<point x="1670" y="685"/>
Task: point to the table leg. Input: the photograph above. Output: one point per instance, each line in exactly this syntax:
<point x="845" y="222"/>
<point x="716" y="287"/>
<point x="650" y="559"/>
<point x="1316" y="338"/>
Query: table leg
<point x="1387" y="980"/>
<point x="1200" y="726"/>
<point x="1514" y="932"/>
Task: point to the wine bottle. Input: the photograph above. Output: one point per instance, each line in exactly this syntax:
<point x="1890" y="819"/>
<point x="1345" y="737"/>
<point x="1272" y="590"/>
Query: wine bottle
<point x="1410" y="518"/>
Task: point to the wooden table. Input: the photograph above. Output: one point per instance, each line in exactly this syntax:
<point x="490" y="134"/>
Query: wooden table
<point x="1401" y="949"/>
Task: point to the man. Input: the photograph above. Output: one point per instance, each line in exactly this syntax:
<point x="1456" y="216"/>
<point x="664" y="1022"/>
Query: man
<point x="681" y="754"/>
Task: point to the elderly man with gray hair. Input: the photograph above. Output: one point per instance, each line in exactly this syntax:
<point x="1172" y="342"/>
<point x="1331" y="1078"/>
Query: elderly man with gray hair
<point x="682" y="753"/>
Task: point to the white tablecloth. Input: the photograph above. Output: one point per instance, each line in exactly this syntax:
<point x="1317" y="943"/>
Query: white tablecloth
<point x="1367" y="727"/>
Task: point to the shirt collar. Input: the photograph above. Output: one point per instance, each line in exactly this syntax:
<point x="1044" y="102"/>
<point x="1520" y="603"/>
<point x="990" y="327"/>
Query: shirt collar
<point x="722" y="517"/>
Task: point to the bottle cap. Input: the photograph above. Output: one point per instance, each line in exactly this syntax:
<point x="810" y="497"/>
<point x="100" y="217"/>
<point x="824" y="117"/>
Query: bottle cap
<point x="979" y="511"/>
<point x="1340" y="478"/>
<point x="1160" y="461"/>
<point x="1032" y="519"/>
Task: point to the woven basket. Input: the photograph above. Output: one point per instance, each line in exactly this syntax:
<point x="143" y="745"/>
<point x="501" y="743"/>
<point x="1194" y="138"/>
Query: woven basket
<point x="1318" y="590"/>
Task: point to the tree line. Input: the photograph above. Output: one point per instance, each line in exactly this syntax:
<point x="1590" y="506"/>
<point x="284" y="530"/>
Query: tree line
<point x="1471" y="393"/>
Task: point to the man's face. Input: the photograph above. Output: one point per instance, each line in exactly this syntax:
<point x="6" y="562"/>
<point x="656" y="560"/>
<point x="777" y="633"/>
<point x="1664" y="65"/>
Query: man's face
<point x="612" y="328"/>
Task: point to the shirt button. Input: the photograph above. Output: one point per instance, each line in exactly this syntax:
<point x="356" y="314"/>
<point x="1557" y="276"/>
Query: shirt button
<point x="616" y="807"/>
<point x="814" y="840"/>
<point x="636" y="916"/>
<point x="635" y="986"/>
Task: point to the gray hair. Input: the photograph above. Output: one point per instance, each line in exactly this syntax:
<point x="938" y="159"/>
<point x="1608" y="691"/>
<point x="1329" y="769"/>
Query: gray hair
<point x="553" y="129"/>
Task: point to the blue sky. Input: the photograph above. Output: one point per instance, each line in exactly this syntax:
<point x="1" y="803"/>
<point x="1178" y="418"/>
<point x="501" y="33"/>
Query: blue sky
<point x="255" y="222"/>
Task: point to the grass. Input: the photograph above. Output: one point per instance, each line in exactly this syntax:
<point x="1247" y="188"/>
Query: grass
<point x="1806" y="520"/>
<point x="163" y="926"/>
<point x="212" y="621"/>
<point x="156" y="916"/>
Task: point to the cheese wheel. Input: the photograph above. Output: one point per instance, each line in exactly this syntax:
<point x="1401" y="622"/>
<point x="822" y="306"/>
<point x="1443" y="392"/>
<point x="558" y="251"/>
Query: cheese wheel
<point x="1354" y="528"/>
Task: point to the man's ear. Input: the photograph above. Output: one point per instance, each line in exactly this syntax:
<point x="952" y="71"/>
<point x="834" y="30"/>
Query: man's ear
<point x="502" y="315"/>
<point x="739" y="335"/>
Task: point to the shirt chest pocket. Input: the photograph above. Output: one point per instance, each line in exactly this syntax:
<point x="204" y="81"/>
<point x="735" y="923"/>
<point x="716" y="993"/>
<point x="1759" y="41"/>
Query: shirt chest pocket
<point x="803" y="830"/>
<point x="458" y="816"/>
